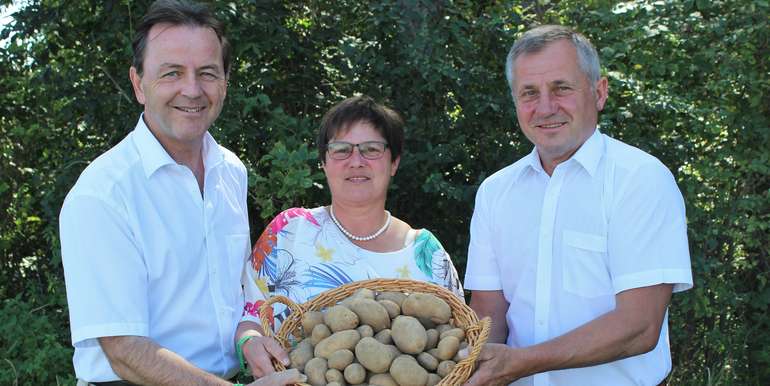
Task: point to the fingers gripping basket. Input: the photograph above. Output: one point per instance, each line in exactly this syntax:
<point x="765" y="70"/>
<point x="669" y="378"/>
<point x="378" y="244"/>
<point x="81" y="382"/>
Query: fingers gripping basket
<point x="477" y="331"/>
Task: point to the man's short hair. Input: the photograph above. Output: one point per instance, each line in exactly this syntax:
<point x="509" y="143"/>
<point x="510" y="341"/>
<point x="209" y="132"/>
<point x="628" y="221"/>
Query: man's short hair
<point x="538" y="38"/>
<point x="178" y="12"/>
<point x="350" y="111"/>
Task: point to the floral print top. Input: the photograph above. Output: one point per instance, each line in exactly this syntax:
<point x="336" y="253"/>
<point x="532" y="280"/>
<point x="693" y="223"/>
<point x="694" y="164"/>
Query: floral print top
<point x="302" y="253"/>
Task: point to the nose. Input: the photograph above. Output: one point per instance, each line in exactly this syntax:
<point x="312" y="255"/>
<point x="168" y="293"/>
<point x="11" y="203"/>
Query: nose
<point x="191" y="86"/>
<point x="546" y="105"/>
<point x="356" y="159"/>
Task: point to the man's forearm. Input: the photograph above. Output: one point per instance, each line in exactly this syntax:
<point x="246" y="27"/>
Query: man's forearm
<point x="633" y="328"/>
<point x="493" y="305"/>
<point x="141" y="361"/>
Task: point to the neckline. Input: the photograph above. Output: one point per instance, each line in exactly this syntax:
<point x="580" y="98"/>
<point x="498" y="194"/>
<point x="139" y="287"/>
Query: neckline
<point x="351" y="236"/>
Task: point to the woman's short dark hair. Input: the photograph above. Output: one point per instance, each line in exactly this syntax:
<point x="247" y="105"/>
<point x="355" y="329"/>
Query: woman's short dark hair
<point x="178" y="12"/>
<point x="343" y="115"/>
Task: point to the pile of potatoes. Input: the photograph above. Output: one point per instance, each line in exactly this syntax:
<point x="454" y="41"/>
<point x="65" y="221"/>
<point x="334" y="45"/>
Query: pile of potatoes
<point x="385" y="339"/>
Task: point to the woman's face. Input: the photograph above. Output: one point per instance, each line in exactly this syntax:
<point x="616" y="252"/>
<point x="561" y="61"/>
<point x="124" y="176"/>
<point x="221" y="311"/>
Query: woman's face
<point x="357" y="180"/>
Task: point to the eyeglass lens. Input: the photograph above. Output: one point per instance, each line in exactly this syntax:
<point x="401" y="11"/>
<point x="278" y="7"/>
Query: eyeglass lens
<point x="369" y="150"/>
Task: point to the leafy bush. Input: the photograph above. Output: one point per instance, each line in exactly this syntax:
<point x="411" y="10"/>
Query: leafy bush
<point x="689" y="83"/>
<point x="34" y="341"/>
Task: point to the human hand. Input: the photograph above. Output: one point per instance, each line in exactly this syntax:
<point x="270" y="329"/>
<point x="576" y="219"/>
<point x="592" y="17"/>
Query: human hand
<point x="286" y="377"/>
<point x="259" y="352"/>
<point x="494" y="366"/>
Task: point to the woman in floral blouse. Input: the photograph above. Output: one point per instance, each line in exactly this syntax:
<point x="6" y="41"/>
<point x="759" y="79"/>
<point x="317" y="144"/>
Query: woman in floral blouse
<point x="304" y="252"/>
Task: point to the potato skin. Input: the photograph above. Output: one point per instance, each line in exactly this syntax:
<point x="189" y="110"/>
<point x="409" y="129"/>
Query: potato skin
<point x="371" y="313"/>
<point x="395" y="297"/>
<point x="363" y="293"/>
<point x="365" y="330"/>
<point x="427" y="306"/>
<point x="340" y="318"/>
<point x="319" y="333"/>
<point x="310" y="319"/>
<point x="382" y="380"/>
<point x="315" y="369"/>
<point x="443" y="328"/>
<point x="445" y="368"/>
<point x="447" y="347"/>
<point x="427" y="361"/>
<point x="395" y="352"/>
<point x="339" y="340"/>
<point x="355" y="373"/>
<point x="384" y="336"/>
<point x="407" y="372"/>
<point x="373" y="355"/>
<point x="301" y="354"/>
<point x="409" y="335"/>
<point x="391" y="306"/>
<point x="341" y="359"/>
<point x="433" y="380"/>
<point x="432" y="338"/>
<point x="456" y="332"/>
<point x="334" y="375"/>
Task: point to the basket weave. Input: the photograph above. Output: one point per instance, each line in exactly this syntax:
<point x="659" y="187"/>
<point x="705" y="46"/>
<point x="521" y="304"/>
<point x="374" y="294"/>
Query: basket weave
<point x="476" y="331"/>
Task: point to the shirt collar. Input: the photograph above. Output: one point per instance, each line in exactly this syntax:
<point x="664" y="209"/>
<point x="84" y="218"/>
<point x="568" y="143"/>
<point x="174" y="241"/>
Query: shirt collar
<point x="154" y="156"/>
<point x="590" y="153"/>
<point x="212" y="154"/>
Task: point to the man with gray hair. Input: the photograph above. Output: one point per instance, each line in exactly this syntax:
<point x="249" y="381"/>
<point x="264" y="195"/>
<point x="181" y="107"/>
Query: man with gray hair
<point x="576" y="248"/>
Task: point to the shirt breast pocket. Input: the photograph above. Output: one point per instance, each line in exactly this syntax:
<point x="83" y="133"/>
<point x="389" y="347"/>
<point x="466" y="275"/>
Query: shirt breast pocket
<point x="585" y="272"/>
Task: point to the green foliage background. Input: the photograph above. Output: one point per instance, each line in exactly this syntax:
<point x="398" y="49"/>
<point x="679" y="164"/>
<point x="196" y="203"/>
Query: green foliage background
<point x="689" y="83"/>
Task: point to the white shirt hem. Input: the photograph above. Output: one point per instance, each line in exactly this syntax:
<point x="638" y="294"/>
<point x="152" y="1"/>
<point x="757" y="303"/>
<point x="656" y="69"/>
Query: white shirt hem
<point x="681" y="278"/>
<point x="112" y="329"/>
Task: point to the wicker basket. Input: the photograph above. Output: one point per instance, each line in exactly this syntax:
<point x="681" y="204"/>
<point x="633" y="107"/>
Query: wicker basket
<point x="476" y="331"/>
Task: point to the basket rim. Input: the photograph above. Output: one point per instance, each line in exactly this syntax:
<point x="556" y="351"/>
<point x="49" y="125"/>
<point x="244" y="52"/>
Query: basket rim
<point x="477" y="331"/>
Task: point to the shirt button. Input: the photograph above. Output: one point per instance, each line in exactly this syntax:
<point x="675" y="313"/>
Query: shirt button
<point x="541" y="322"/>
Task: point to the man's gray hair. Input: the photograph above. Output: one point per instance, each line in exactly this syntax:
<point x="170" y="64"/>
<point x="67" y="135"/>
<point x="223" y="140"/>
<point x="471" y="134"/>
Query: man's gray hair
<point x="538" y="38"/>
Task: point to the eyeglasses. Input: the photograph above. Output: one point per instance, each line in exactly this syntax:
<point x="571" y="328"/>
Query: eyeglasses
<point x="370" y="150"/>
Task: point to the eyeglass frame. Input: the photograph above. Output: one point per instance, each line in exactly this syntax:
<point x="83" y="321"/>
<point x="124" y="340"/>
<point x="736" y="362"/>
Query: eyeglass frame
<point x="386" y="146"/>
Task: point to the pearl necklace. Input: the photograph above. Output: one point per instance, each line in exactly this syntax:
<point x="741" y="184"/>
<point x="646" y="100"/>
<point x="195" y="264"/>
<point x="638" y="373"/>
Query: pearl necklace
<point x="359" y="238"/>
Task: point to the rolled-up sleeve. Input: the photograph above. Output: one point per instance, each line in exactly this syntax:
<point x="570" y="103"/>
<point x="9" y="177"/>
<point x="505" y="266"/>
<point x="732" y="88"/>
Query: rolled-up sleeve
<point x="105" y="273"/>
<point x="482" y="271"/>
<point x="647" y="239"/>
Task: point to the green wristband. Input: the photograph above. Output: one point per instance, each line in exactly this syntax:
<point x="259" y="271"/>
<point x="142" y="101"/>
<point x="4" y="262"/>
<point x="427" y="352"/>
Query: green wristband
<point x="239" y="351"/>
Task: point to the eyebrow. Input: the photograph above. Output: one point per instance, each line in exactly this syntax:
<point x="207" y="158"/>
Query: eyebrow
<point x="560" y="82"/>
<point x="177" y="66"/>
<point x="557" y="82"/>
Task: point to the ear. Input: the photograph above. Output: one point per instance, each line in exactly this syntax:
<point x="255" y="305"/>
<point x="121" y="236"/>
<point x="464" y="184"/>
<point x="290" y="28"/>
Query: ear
<point x="602" y="91"/>
<point x="136" y="82"/>
<point x="394" y="166"/>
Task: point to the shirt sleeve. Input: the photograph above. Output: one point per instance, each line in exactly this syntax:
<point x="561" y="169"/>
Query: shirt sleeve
<point x="647" y="238"/>
<point x="254" y="284"/>
<point x="482" y="271"/>
<point x="104" y="271"/>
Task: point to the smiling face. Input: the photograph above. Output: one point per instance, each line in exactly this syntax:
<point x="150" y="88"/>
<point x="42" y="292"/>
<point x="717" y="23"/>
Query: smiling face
<point x="357" y="180"/>
<point x="183" y="84"/>
<point x="556" y="107"/>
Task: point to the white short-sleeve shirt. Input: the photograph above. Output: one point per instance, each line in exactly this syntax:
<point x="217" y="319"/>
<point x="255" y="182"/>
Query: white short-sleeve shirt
<point x="146" y="254"/>
<point x="609" y="219"/>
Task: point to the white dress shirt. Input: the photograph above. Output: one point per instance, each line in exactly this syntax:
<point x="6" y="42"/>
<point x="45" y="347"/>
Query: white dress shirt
<point x="609" y="219"/>
<point x="146" y="254"/>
